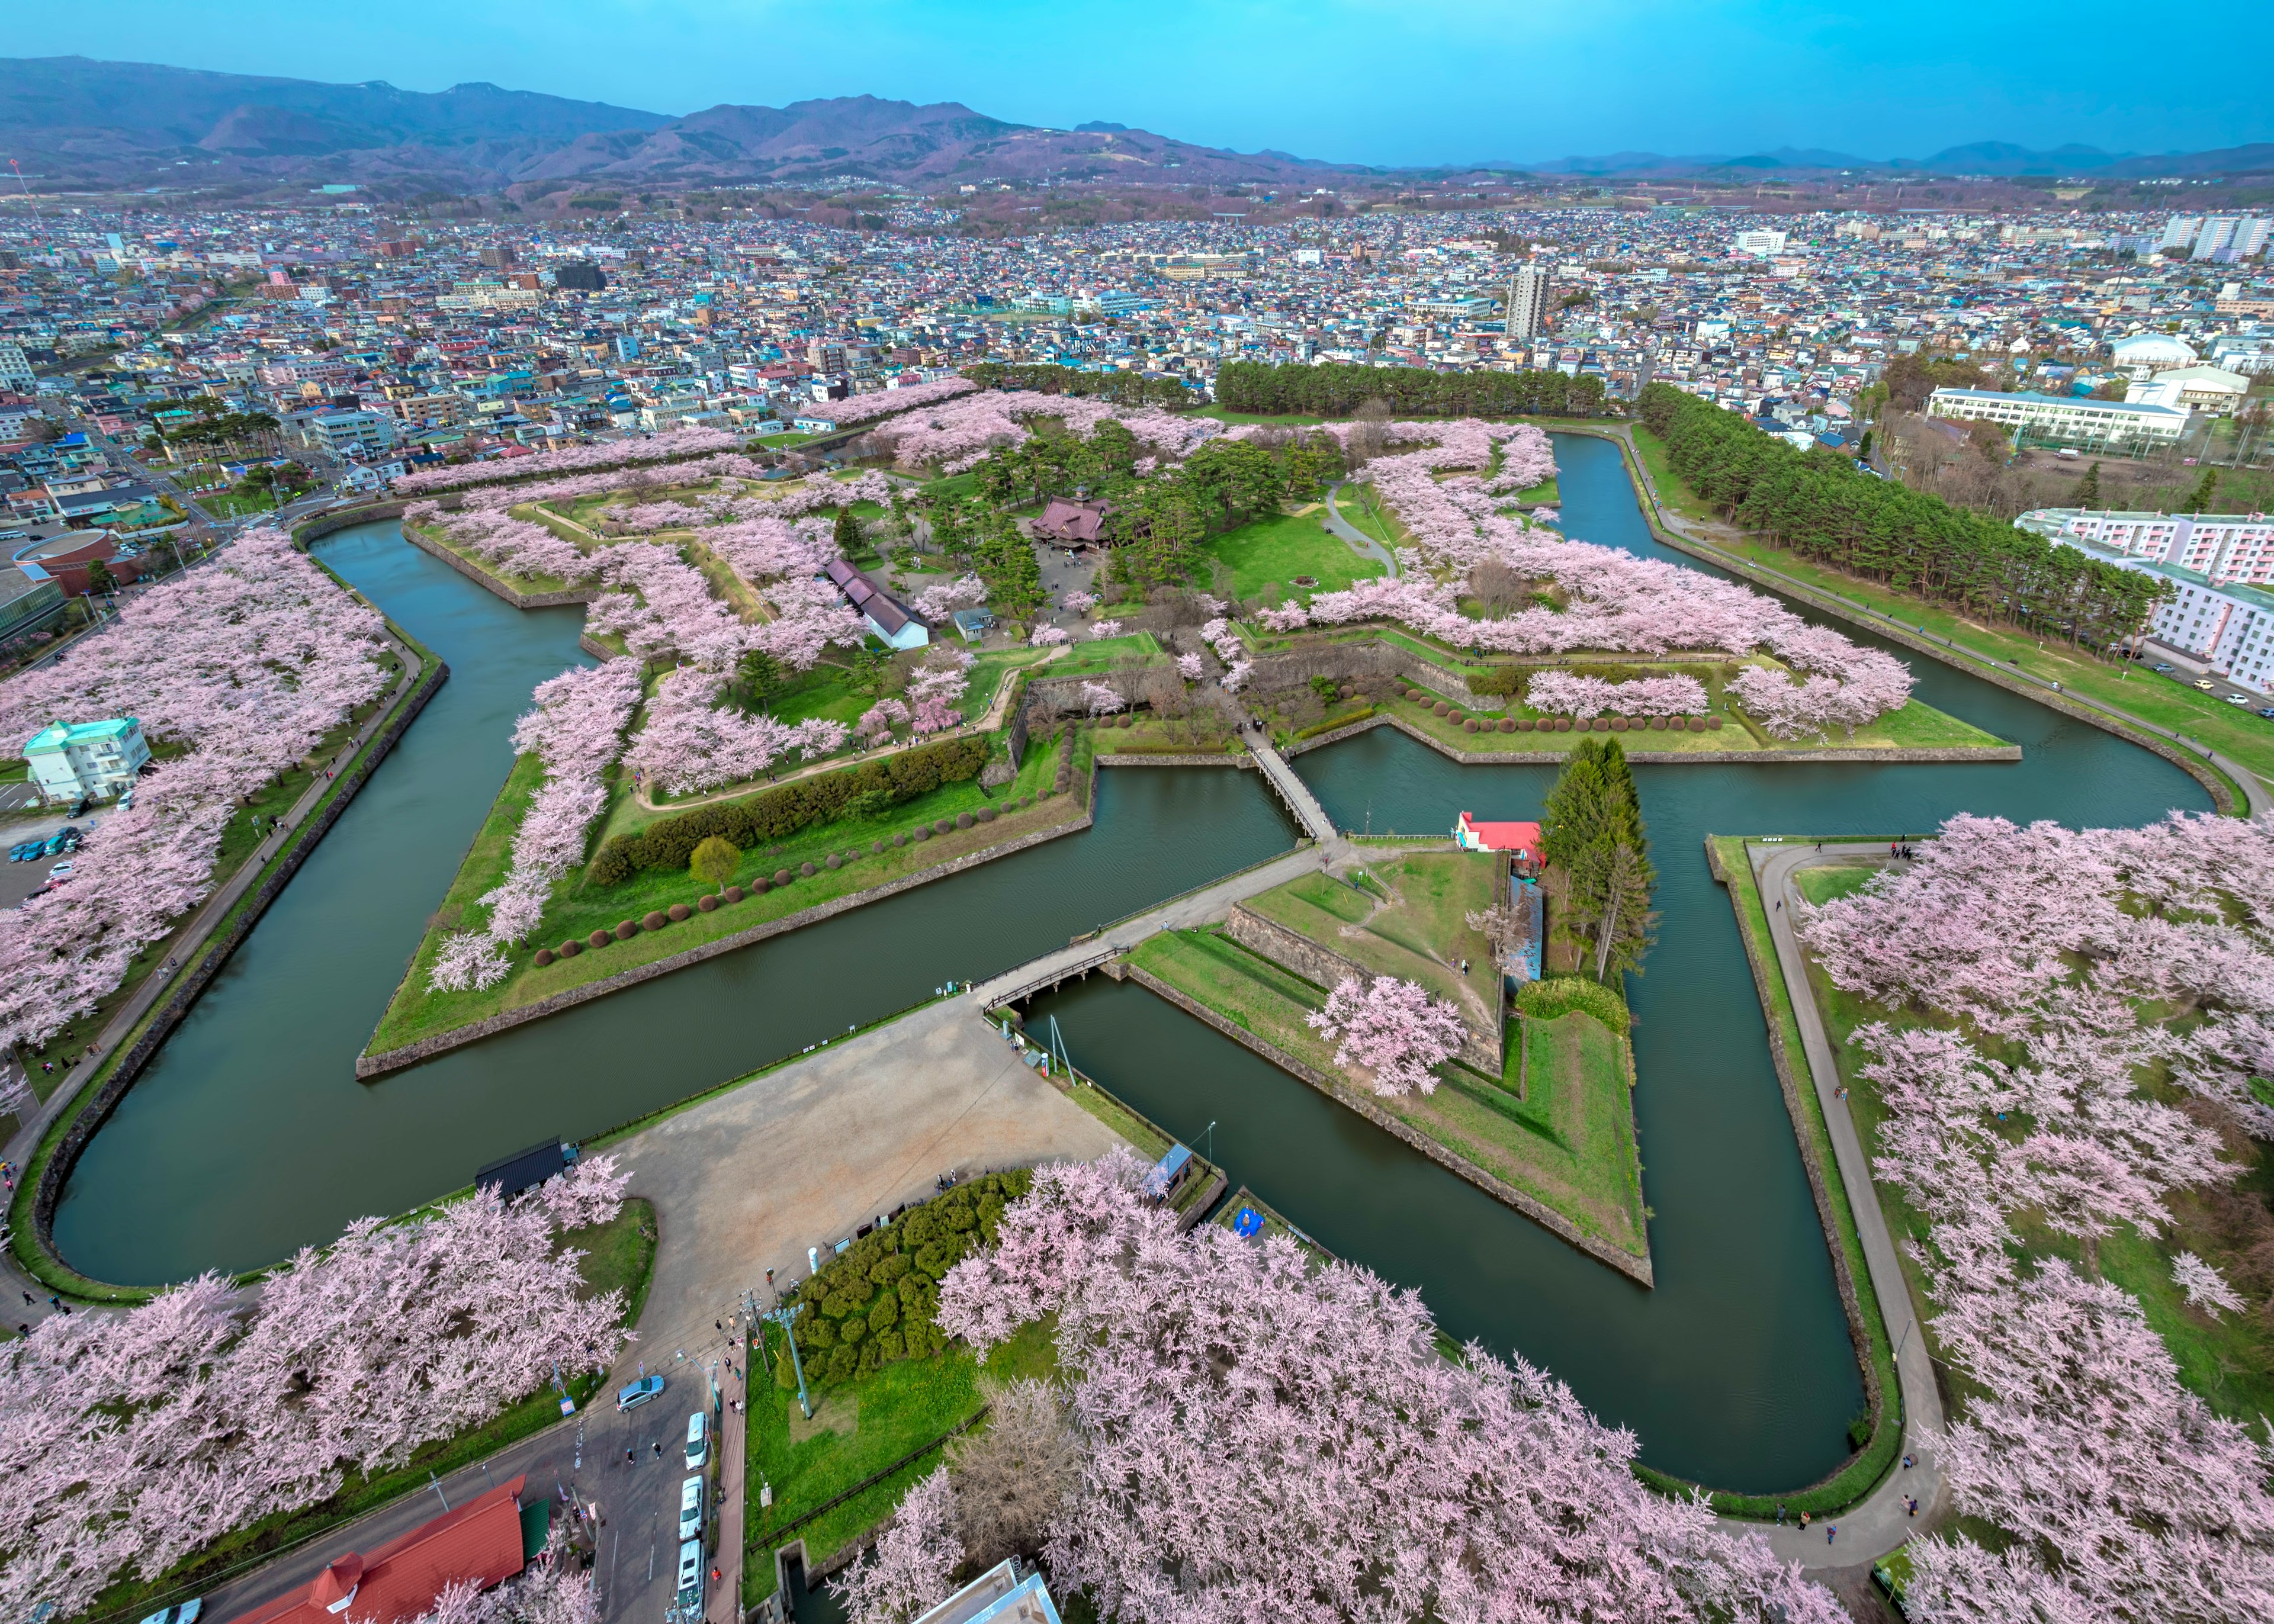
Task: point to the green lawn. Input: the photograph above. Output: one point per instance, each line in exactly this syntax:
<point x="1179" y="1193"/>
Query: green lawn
<point x="1266" y="556"/>
<point x="1364" y="510"/>
<point x="2167" y="702"/>
<point x="860" y="1428"/>
<point x="1413" y="926"/>
<point x="2229" y="1360"/>
<point x="580" y="904"/>
<point x="1092" y="655"/>
<point x="1569" y="1144"/>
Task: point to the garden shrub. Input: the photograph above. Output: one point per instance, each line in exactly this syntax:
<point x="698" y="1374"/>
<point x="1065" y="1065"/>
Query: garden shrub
<point x="901" y="838"/>
<point x="599" y="939"/>
<point x="876" y="847"/>
<point x="782" y="876"/>
<point x="985" y="814"/>
<point x="776" y="813"/>
<point x="655" y="920"/>
<point x="1496" y="680"/>
<point x="679" y="911"/>
<point x="544" y="956"/>
<point x="569" y="949"/>
<point x="942" y="825"/>
<point x="923" y="832"/>
<point x="707" y="902"/>
<point x="1441" y="709"/>
<point x="805" y="870"/>
<point x="832" y="860"/>
<point x="963" y="820"/>
<point x="1714" y="722"/>
<point x="626" y="930"/>
<point x="1470" y="725"/>
<point x="1508" y="724"/>
<point x="735" y="893"/>
<point x="1559" y="995"/>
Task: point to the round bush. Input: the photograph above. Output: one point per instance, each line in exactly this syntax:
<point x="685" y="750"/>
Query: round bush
<point x="923" y="832"/>
<point x="1714" y="722"/>
<point x="544" y="956"/>
<point x="1619" y="724"/>
<point x="877" y="847"/>
<point x="900" y="839"/>
<point x="963" y="820"/>
<point x="986" y="815"/>
<point x="1348" y="692"/>
<point x="569" y="948"/>
<point x="735" y="893"/>
<point x="1126" y="719"/>
<point x="1697" y="724"/>
<point x="599" y="939"/>
<point x="1457" y="713"/>
<point x="679" y="912"/>
<point x="1044" y="794"/>
<point x="833" y="861"/>
<point x="656" y="920"/>
<point x="760" y="886"/>
<point x="707" y="902"/>
<point x="626" y="929"/>
<point x="806" y="870"/>
<point x="1525" y="724"/>
<point x="1657" y="724"/>
<point x="1470" y="725"/>
<point x="1441" y="709"/>
<point x="1562" y="724"/>
<point x="782" y="876"/>
<point x="941" y="825"/>
<point x="1508" y="724"/>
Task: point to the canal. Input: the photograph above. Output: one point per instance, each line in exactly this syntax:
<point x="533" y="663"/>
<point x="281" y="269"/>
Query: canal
<point x="249" y="1137"/>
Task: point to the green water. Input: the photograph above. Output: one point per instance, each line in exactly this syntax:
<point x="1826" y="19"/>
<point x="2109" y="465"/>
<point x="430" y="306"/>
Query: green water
<point x="249" y="1137"/>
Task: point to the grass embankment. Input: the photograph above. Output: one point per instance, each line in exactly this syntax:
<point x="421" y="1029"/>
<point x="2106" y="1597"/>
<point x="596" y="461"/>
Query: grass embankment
<point x="1266" y="558"/>
<point x="1568" y="1143"/>
<point x="1091" y="656"/>
<point x="2166" y="701"/>
<point x="1854" y="1480"/>
<point x="580" y="904"/>
<point x="529" y="583"/>
<point x="859" y="1429"/>
<point x="619" y="1255"/>
<point x="1406" y="917"/>
<point x="2229" y="1360"/>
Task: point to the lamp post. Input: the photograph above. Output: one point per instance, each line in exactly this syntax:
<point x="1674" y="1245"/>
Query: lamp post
<point x="784" y="1318"/>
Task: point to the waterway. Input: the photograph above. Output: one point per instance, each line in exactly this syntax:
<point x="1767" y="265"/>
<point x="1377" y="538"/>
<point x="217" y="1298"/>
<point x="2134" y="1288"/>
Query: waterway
<point x="248" y="1137"/>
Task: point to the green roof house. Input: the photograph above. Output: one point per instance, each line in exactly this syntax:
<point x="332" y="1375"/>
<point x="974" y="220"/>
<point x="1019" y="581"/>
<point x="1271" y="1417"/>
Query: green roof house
<point x="96" y="760"/>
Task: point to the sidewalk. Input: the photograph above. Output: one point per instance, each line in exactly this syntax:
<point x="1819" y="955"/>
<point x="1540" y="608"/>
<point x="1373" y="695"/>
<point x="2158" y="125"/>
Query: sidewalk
<point x="1362" y="543"/>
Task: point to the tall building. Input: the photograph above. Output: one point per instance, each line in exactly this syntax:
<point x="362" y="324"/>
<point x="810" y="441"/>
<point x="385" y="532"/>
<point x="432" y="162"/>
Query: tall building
<point x="1527" y="302"/>
<point x="1761" y="243"/>
<point x="2179" y="231"/>
<point x="15" y="371"/>
<point x="2232" y="238"/>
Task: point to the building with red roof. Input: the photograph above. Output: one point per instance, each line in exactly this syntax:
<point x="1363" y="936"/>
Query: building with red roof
<point x="482" y="1541"/>
<point x="1519" y="840"/>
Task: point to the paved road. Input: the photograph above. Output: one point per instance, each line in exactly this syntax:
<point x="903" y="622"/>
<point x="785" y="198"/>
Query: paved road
<point x="1881" y="1524"/>
<point x="1359" y="541"/>
<point x="2258" y="799"/>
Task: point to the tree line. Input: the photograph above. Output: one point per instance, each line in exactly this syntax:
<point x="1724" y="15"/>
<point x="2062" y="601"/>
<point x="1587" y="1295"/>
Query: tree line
<point x="1819" y="504"/>
<point x="1592" y="829"/>
<point x="1336" y="389"/>
<point x="1121" y="388"/>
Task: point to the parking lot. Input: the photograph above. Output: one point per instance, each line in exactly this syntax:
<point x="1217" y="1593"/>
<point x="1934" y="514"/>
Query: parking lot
<point x="19" y="880"/>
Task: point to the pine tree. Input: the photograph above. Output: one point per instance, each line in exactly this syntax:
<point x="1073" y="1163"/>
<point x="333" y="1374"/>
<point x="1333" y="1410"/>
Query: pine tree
<point x="847" y="536"/>
<point x="2199" y="500"/>
<point x="2088" y="494"/>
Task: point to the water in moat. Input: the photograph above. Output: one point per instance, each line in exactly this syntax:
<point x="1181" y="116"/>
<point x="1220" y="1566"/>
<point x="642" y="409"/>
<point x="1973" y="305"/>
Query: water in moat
<point x="249" y="1136"/>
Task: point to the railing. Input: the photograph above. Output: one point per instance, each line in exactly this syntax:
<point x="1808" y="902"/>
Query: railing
<point x="1048" y="978"/>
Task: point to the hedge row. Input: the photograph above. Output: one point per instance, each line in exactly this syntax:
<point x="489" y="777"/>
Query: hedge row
<point x="1560" y="995"/>
<point x="780" y="812"/>
<point x="878" y="1300"/>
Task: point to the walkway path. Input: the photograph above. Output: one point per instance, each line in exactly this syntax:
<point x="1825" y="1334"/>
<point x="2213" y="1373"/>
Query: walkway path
<point x="1880" y="1523"/>
<point x="193" y="938"/>
<point x="1294" y="792"/>
<point x="1359" y="541"/>
<point x="2258" y="798"/>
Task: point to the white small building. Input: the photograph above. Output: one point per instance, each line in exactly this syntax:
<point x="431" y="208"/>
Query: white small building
<point x="2151" y="352"/>
<point x="95" y="760"/>
<point x="2211" y="389"/>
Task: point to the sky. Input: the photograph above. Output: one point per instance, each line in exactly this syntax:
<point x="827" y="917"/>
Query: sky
<point x="1363" y="81"/>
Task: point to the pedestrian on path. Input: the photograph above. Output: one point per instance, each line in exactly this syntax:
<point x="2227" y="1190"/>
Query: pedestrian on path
<point x="1831" y="1533"/>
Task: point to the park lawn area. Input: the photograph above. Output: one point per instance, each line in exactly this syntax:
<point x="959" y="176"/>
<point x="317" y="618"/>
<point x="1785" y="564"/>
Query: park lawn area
<point x="1854" y="1480"/>
<point x="1478" y="1119"/>
<point x="580" y="906"/>
<point x="861" y="1428"/>
<point x="1413" y="924"/>
<point x="1548" y="489"/>
<point x="2227" y="1361"/>
<point x="620" y="1257"/>
<point x="1097" y="654"/>
<point x="1673" y="490"/>
<point x="825" y="690"/>
<point x="727" y="586"/>
<point x="1266" y="556"/>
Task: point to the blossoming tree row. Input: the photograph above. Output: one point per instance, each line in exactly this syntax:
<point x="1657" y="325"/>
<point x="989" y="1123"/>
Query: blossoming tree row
<point x="245" y="664"/>
<point x="1263" y="1437"/>
<point x="2049" y="962"/>
<point x="673" y="446"/>
<point x="129" y="1441"/>
<point x="956" y="434"/>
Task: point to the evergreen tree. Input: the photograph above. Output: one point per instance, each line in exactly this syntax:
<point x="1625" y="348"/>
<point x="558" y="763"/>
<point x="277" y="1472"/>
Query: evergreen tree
<point x="1004" y="560"/>
<point x="846" y="535"/>
<point x="2198" y="499"/>
<point x="1593" y="829"/>
<point x="2088" y="494"/>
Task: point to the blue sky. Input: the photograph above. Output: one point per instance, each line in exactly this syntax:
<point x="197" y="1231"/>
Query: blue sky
<point x="1383" y="81"/>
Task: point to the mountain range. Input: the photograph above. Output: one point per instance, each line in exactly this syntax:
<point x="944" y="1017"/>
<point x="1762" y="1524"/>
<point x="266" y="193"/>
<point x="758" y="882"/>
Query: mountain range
<point x="75" y="122"/>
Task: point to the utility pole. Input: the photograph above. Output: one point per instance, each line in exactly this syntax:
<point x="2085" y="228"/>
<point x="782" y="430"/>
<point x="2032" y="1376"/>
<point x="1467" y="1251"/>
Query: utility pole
<point x="784" y="1318"/>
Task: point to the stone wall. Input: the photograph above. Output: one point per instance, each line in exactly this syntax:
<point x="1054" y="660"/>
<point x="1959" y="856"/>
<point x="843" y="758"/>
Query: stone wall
<point x="1323" y="967"/>
<point x="368" y="1066"/>
<point x="1667" y="758"/>
<point x="1636" y="1268"/>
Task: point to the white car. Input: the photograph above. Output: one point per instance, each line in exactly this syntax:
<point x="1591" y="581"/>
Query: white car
<point x="61" y="871"/>
<point x="691" y="1506"/>
<point x="698" y="1440"/>
<point x="690" y="1580"/>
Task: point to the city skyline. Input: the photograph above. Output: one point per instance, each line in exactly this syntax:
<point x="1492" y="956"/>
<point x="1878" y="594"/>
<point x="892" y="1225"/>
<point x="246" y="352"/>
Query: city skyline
<point x="1363" y="84"/>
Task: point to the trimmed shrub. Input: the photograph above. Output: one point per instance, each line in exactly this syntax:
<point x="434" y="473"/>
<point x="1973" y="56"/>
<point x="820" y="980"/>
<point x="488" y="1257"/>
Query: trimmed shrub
<point x="679" y="911"/>
<point x="599" y="939"/>
<point x="569" y="948"/>
<point x="923" y="832"/>
<point x="963" y="820"/>
<point x="1413" y="693"/>
<point x="1508" y="724"/>
<point x="1657" y="724"/>
<point x="901" y="838"/>
<point x="1126" y="720"/>
<point x="735" y="893"/>
<point x="805" y="870"/>
<point x="1525" y="724"/>
<point x="941" y="825"/>
<point x="1470" y="725"/>
<point x="707" y="902"/>
<point x="760" y="886"/>
<point x="1044" y="794"/>
<point x="1619" y="724"/>
<point x="544" y="956"/>
<point x="832" y="860"/>
<point x="1562" y="724"/>
<point x="1697" y="724"/>
<point x="1441" y="709"/>
<point x="985" y="814"/>
<point x="1714" y="722"/>
<point x="877" y="848"/>
<point x="626" y="929"/>
<point x="656" y="920"/>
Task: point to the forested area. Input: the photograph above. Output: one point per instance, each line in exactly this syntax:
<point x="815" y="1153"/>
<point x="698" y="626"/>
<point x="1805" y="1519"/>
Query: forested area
<point x="1819" y="505"/>
<point x="1334" y="390"/>
<point x="1593" y="831"/>
<point x="1121" y="388"/>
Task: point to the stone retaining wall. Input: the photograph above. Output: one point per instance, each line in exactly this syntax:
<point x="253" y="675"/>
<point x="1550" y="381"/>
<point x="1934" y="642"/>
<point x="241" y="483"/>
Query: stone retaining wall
<point x="1788" y="1083"/>
<point x="1171" y="758"/>
<point x="368" y="1066"/>
<point x="1634" y="1268"/>
<point x="481" y="577"/>
<point x="1322" y="966"/>
<point x="209" y="960"/>
<point x="1676" y="758"/>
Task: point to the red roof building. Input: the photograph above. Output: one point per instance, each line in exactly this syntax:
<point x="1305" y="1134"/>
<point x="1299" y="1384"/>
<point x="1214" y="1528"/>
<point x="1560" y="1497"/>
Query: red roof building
<point x="1520" y="840"/>
<point x="481" y="1540"/>
<point x="1071" y="524"/>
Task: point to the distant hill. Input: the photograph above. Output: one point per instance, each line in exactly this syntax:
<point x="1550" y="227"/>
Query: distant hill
<point x="75" y="121"/>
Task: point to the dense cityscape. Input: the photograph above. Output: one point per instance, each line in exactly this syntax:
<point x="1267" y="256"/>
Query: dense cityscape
<point x="1045" y="795"/>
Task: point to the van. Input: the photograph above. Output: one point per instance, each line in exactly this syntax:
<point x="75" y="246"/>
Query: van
<point x="691" y="1506"/>
<point x="698" y="1440"/>
<point x="690" y="1579"/>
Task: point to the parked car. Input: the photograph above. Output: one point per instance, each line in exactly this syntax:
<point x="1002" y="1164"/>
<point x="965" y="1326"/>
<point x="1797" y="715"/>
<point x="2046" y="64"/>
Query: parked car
<point x="53" y="844"/>
<point x="2267" y="712"/>
<point x="690" y="1580"/>
<point x="633" y="1394"/>
<point x="698" y="1439"/>
<point x="691" y="1506"/>
<point x="2205" y="683"/>
<point x="2165" y="669"/>
<point x="186" y="1613"/>
<point x="24" y="851"/>
<point x="2237" y="699"/>
<point x="61" y="871"/>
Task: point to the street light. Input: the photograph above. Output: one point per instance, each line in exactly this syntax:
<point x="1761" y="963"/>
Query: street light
<point x="784" y="1317"/>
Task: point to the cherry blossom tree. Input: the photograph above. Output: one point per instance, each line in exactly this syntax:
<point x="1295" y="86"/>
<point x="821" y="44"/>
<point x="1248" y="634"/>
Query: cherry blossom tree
<point x="1102" y="699"/>
<point x="911" y="1567"/>
<point x="1106" y="628"/>
<point x="1563" y="693"/>
<point x="937" y="602"/>
<point x="1269" y="1436"/>
<point x="1391" y="1030"/>
<point x="1189" y="666"/>
<point x="671" y="446"/>
<point x="1049" y="637"/>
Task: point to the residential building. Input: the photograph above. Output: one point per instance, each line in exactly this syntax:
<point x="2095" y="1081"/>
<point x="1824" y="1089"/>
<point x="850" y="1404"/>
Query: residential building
<point x="2222" y="547"/>
<point x="891" y="623"/>
<point x="92" y="760"/>
<point x="999" y="1595"/>
<point x="485" y="1541"/>
<point x="2065" y="420"/>
<point x="16" y="374"/>
<point x="357" y="434"/>
<point x="1761" y="244"/>
<point x="1527" y="302"/>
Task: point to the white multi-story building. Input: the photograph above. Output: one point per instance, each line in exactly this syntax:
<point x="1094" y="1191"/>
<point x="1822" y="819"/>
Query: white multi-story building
<point x="1527" y="302"/>
<point x="2223" y="548"/>
<point x="2063" y="420"/>
<point x="2180" y="230"/>
<point x="16" y="375"/>
<point x="95" y="760"/>
<point x="1761" y="244"/>
<point x="2229" y="628"/>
